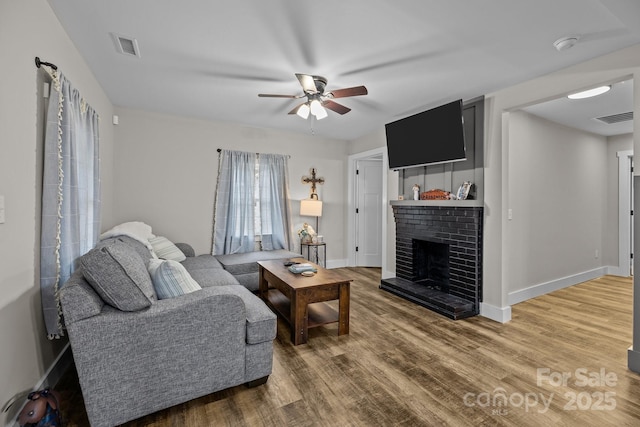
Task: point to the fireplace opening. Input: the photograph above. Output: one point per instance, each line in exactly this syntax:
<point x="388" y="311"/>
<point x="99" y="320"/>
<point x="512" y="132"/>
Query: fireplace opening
<point x="431" y="264"/>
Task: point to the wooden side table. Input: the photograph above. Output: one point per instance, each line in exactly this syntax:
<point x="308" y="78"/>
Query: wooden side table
<point x="315" y="253"/>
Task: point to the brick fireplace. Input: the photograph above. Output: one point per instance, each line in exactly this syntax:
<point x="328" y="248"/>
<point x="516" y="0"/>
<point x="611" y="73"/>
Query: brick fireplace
<point x="438" y="257"/>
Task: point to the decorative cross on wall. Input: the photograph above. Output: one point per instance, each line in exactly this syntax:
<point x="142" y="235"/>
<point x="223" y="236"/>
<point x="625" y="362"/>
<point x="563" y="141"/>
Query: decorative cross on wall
<point x="313" y="180"/>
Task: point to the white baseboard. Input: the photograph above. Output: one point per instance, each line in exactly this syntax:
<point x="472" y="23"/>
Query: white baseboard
<point x="617" y="271"/>
<point x="57" y="369"/>
<point x="336" y="263"/>
<point x="553" y="285"/>
<point x="386" y="274"/>
<point x="499" y="314"/>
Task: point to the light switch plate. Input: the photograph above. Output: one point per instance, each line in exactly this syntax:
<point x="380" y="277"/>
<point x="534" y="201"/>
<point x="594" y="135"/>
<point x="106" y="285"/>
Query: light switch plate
<point x="1" y="209"/>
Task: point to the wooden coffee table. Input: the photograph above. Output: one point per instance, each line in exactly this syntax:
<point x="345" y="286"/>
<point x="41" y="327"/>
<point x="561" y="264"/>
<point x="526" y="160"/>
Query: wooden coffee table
<point x="300" y="300"/>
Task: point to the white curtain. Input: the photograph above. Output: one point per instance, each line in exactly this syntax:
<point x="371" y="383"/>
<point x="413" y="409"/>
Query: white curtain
<point x="236" y="198"/>
<point x="233" y="230"/>
<point x="275" y="209"/>
<point x="70" y="193"/>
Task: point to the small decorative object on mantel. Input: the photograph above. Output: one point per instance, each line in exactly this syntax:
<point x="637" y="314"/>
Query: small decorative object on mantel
<point x="416" y="191"/>
<point x="435" y="195"/>
<point x="463" y="191"/>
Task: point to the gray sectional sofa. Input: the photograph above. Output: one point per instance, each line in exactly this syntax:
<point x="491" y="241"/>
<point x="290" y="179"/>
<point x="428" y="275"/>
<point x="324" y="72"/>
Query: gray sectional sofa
<point x="136" y="354"/>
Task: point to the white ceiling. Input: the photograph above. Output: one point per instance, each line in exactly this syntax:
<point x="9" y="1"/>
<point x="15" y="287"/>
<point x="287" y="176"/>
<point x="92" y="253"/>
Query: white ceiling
<point x="209" y="59"/>
<point x="584" y="113"/>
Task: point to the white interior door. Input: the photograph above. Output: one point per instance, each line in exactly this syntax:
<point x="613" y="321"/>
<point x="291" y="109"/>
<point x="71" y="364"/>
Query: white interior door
<point x="368" y="213"/>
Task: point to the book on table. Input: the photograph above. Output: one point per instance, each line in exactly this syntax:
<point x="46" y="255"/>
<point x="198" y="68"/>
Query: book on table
<point x="299" y="268"/>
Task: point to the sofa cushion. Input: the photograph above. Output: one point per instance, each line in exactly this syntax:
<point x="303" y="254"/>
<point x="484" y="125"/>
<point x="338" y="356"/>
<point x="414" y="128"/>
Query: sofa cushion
<point x="170" y="278"/>
<point x="250" y="281"/>
<point x="248" y="262"/>
<point x="165" y="249"/>
<point x="186" y="249"/>
<point x="78" y="299"/>
<point x="201" y="262"/>
<point x="118" y="274"/>
<point x="213" y="277"/>
<point x="138" y="246"/>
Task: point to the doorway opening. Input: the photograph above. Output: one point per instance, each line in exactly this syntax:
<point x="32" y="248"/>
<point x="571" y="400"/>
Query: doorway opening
<point x="368" y="209"/>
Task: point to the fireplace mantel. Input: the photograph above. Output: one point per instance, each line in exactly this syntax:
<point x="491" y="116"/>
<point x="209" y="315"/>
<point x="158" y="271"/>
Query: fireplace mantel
<point x="447" y="203"/>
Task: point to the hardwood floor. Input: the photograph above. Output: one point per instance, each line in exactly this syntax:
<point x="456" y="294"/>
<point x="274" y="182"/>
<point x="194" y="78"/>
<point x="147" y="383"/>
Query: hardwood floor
<point x="403" y="365"/>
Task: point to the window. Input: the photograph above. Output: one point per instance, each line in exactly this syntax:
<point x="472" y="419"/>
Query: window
<point x="252" y="209"/>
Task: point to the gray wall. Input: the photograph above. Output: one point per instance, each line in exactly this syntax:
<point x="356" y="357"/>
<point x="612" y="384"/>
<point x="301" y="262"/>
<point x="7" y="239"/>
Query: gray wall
<point x="608" y="68"/>
<point x="29" y="29"/>
<point x="558" y="198"/>
<point x="167" y="166"/>
<point x="450" y="176"/>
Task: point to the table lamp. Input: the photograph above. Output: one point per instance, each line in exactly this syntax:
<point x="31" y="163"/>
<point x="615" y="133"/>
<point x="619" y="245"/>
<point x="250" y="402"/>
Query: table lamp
<point x="311" y="207"/>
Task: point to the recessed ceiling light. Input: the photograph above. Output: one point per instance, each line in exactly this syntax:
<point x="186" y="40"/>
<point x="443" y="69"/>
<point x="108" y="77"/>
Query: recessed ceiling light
<point x="565" y="43"/>
<point x="589" y="93"/>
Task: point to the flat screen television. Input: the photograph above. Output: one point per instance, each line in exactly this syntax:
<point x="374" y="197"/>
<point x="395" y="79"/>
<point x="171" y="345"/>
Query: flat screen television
<point x="431" y="137"/>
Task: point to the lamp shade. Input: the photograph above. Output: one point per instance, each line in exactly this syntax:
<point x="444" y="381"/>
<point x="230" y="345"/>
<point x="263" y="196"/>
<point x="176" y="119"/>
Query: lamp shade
<point x="310" y="208"/>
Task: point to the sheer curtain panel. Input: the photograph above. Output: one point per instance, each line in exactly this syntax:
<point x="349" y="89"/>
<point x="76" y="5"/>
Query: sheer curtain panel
<point x="275" y="209"/>
<point x="252" y="203"/>
<point x="70" y="193"/>
<point x="233" y="230"/>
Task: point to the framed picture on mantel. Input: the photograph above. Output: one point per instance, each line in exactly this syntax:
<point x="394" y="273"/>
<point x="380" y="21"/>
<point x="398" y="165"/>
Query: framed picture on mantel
<point x="463" y="191"/>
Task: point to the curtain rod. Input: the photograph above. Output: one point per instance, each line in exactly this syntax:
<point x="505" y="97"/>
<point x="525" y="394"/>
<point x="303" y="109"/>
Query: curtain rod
<point x="220" y="150"/>
<point x="39" y="63"/>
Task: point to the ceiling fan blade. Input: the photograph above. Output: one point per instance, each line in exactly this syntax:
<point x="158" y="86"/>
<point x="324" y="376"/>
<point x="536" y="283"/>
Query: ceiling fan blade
<point x="307" y="83"/>
<point x="334" y="106"/>
<point x="270" y="95"/>
<point x="350" y="91"/>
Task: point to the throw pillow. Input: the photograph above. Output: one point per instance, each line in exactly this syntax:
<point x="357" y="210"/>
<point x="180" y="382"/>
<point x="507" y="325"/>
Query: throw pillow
<point x="165" y="249"/>
<point x="118" y="274"/>
<point x="170" y="278"/>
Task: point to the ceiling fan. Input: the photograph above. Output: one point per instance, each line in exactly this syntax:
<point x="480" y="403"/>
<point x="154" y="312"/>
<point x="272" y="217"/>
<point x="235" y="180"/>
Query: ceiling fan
<point x="317" y="98"/>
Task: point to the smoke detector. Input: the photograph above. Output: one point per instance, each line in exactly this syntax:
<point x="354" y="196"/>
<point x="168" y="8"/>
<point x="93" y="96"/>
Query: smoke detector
<point x="565" y="43"/>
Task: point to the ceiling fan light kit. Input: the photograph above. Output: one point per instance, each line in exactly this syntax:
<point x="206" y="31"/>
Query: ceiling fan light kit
<point x="318" y="101"/>
<point x="317" y="110"/>
<point x="303" y="111"/>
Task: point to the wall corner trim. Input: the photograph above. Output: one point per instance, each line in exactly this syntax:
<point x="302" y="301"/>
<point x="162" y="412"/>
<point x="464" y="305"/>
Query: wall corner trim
<point x="499" y="314"/>
<point x="633" y="360"/>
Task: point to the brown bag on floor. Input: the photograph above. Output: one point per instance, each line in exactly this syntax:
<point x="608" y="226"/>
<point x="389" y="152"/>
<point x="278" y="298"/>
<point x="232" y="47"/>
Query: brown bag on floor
<point x="41" y="410"/>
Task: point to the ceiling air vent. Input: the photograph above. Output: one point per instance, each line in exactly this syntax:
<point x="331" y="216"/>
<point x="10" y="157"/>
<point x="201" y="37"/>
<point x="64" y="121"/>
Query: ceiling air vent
<point x="126" y="45"/>
<point x="616" y="118"/>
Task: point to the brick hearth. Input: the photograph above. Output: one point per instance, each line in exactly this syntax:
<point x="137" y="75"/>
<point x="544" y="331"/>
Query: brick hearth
<point x="459" y="292"/>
